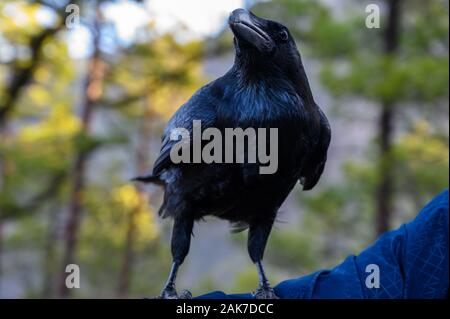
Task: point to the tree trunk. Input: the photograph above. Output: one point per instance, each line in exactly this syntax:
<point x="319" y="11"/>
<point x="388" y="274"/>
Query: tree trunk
<point x="142" y="151"/>
<point x="92" y="92"/>
<point x="1" y="258"/>
<point x="4" y="174"/>
<point x="384" y="190"/>
<point x="128" y="257"/>
<point x="49" y="253"/>
<point x="385" y="187"/>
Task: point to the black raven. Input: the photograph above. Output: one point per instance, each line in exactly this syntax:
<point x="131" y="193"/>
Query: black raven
<point x="266" y="87"/>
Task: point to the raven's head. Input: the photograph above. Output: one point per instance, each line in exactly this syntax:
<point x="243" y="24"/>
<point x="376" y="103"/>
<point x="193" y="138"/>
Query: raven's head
<point x="264" y="40"/>
<point x="267" y="46"/>
<point x="256" y="34"/>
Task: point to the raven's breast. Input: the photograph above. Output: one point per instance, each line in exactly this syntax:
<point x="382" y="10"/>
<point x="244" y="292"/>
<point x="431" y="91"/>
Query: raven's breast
<point x="241" y="190"/>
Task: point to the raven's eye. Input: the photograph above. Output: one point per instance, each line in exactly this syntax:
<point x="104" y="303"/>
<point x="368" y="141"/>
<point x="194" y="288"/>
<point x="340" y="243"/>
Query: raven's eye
<point x="283" y="35"/>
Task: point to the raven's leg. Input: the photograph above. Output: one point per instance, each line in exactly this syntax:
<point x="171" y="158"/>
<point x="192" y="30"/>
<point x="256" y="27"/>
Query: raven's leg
<point x="181" y="240"/>
<point x="257" y="239"/>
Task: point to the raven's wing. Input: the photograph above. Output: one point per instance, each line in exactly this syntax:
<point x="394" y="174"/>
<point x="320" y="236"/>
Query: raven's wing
<point x="200" y="107"/>
<point x="315" y="162"/>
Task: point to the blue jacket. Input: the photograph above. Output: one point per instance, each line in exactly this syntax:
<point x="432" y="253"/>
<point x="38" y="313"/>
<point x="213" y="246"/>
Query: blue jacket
<point x="410" y="262"/>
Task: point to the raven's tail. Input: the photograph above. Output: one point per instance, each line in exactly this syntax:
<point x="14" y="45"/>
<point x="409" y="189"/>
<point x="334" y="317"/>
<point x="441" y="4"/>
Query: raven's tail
<point x="150" y="178"/>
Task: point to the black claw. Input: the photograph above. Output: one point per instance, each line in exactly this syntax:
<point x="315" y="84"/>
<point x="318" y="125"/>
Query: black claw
<point x="185" y="294"/>
<point x="169" y="293"/>
<point x="265" y="293"/>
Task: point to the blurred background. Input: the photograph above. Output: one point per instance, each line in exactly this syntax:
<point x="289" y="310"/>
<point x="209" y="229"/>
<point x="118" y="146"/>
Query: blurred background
<point x="83" y="101"/>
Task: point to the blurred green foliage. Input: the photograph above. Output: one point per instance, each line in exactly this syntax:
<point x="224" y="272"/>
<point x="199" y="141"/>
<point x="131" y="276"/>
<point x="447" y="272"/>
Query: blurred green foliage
<point x="44" y="133"/>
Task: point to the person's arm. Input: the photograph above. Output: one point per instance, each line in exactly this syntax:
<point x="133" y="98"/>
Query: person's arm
<point x="410" y="262"/>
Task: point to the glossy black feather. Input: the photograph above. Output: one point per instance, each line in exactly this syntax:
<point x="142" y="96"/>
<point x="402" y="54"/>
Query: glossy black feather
<point x="260" y="90"/>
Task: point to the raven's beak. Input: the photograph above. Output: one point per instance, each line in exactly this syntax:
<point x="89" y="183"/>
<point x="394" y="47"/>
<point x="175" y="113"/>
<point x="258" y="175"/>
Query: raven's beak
<point x="248" y="27"/>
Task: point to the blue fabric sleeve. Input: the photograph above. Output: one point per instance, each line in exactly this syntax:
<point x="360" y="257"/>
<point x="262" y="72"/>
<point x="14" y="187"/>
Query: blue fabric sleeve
<point x="410" y="262"/>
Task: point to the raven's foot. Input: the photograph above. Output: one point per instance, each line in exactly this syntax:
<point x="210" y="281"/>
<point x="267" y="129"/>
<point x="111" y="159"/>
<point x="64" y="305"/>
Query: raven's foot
<point x="185" y="294"/>
<point x="171" y="293"/>
<point x="265" y="292"/>
<point x="168" y="293"/>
